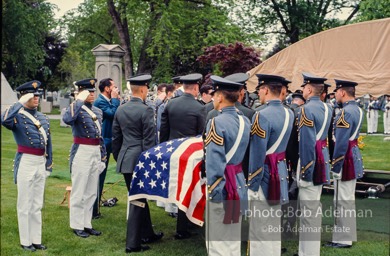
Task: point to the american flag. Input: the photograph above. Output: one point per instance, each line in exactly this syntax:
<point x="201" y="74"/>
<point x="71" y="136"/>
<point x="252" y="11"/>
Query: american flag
<point x="171" y="172"/>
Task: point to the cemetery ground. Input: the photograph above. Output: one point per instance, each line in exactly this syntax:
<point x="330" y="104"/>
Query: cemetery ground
<point x="373" y="231"/>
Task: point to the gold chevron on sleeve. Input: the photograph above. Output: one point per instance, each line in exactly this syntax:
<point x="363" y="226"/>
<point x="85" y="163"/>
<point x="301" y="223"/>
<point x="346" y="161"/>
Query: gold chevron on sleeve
<point x="213" y="136"/>
<point x="304" y="120"/>
<point x="71" y="109"/>
<point x="256" y="129"/>
<point x="341" y="122"/>
<point x="304" y="168"/>
<point x="337" y="160"/>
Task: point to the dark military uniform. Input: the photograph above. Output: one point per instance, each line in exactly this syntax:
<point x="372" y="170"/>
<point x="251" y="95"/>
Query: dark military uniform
<point x="347" y="161"/>
<point x="33" y="163"/>
<point x="87" y="158"/>
<point x="133" y="132"/>
<point x="227" y="137"/>
<point x="183" y="116"/>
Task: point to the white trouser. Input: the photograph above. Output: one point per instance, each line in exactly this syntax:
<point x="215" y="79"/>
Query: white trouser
<point x="221" y="239"/>
<point x="344" y="231"/>
<point x="310" y="219"/>
<point x="370" y="121"/>
<point x="264" y="225"/>
<point x="375" y="121"/>
<point x="386" y="121"/>
<point x="31" y="179"/>
<point x="85" y="179"/>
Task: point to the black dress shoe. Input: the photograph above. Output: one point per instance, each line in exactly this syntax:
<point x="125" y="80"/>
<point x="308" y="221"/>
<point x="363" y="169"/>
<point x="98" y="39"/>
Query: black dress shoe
<point x="28" y="248"/>
<point x="39" y="246"/>
<point x="97" y="216"/>
<point x="93" y="232"/>
<point x="81" y="233"/>
<point x="152" y="238"/>
<point x="137" y="249"/>
<point x="337" y="245"/>
<point x="183" y="235"/>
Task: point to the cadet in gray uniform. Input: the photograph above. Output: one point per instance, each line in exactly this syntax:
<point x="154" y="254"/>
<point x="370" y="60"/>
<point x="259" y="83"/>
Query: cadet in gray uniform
<point x="240" y="78"/>
<point x="347" y="164"/>
<point x="33" y="161"/>
<point x="227" y="137"/>
<point x="87" y="157"/>
<point x="133" y="132"/>
<point x="267" y="180"/>
<point x="313" y="167"/>
<point x="183" y="117"/>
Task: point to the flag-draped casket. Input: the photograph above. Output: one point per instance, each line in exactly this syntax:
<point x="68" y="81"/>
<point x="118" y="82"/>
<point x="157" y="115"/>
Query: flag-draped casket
<point x="171" y="172"/>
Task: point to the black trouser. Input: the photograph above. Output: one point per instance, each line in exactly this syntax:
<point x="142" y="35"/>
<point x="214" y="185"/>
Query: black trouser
<point x="182" y="222"/>
<point x="139" y="224"/>
<point x="102" y="178"/>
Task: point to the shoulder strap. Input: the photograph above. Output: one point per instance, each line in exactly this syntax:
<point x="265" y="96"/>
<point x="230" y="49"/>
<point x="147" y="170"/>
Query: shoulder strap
<point x="357" y="128"/>
<point x="36" y="123"/>
<point x="233" y="150"/>
<point x="319" y="134"/>
<point x="94" y="118"/>
<point x="273" y="148"/>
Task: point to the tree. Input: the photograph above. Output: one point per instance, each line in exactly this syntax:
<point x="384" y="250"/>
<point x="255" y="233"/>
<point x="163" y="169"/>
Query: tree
<point x="228" y="59"/>
<point x="291" y="21"/>
<point x="25" y="26"/>
<point x="373" y="9"/>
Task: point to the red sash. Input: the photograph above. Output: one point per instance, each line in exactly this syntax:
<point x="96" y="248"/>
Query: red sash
<point x="319" y="174"/>
<point x="86" y="141"/>
<point x="32" y="151"/>
<point x="232" y="204"/>
<point x="348" y="166"/>
<point x="274" y="182"/>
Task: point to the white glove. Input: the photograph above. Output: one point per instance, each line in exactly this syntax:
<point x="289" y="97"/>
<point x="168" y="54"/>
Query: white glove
<point x="82" y="95"/>
<point x="101" y="167"/>
<point x="47" y="173"/>
<point x="26" y="98"/>
<point x="336" y="176"/>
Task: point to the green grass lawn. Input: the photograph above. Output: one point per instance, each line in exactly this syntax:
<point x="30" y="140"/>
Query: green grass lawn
<point x="373" y="233"/>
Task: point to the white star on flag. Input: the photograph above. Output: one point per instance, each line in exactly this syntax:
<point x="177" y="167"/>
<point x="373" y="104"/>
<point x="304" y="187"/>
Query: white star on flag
<point x="159" y="155"/>
<point x="181" y="139"/>
<point x="140" y="165"/>
<point x="140" y="184"/>
<point x="163" y="184"/>
<point x="152" y="165"/>
<point x="157" y="148"/>
<point x="164" y="165"/>
<point x="169" y="143"/>
<point x="152" y="183"/>
<point x="146" y="174"/>
<point x="158" y="174"/>
<point x="134" y="175"/>
<point x="169" y="149"/>
<point x="147" y="153"/>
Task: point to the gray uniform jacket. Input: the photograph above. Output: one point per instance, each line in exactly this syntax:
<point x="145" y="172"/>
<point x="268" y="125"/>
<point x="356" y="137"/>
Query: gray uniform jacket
<point x="133" y="131"/>
<point x="183" y="116"/>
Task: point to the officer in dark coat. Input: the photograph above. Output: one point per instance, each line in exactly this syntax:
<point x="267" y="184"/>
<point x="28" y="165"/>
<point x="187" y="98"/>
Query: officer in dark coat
<point x="33" y="161"/>
<point x="133" y="132"/>
<point x="183" y="116"/>
<point x="87" y="157"/>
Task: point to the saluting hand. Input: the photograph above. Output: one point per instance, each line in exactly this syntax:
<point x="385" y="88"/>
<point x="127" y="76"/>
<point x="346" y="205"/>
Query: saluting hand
<point x="25" y="98"/>
<point x="83" y="95"/>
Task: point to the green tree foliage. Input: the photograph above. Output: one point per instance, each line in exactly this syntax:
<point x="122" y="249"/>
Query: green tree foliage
<point x="290" y="21"/>
<point x="373" y="9"/>
<point x="25" y="27"/>
<point x="84" y="28"/>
